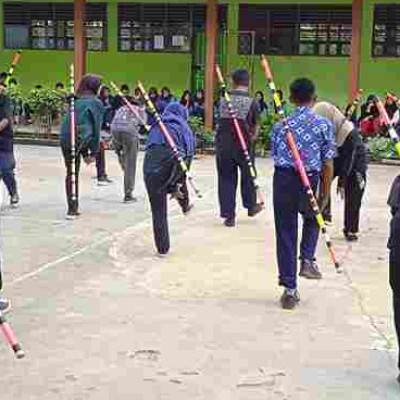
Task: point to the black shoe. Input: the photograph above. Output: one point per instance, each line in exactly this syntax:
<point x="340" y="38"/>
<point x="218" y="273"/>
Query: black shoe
<point x="255" y="210"/>
<point x="230" y="222"/>
<point x="290" y="299"/>
<point x="350" y="236"/>
<point x="5" y="305"/>
<point x="72" y="215"/>
<point x="309" y="269"/>
<point x="104" y="180"/>
<point x="129" y="199"/>
<point x="14" y="200"/>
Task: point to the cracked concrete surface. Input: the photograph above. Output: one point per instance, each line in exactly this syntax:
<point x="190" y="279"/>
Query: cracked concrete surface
<point x="101" y="317"/>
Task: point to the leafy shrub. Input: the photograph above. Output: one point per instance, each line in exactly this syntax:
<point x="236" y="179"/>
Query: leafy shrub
<point x="14" y="92"/>
<point x="204" y="137"/>
<point x="380" y="148"/>
<point x="264" y="133"/>
<point x="45" y="102"/>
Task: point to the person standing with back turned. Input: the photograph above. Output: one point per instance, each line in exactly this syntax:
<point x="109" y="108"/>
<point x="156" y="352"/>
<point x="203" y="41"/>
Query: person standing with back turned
<point x="230" y="156"/>
<point x="394" y="257"/>
<point x="88" y="117"/>
<point x="315" y="139"/>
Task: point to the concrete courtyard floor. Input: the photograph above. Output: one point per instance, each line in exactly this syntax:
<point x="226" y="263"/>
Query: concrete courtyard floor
<point x="102" y="318"/>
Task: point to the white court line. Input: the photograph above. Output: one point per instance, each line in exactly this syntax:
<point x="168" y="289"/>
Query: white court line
<point x="72" y="255"/>
<point x="116" y="237"/>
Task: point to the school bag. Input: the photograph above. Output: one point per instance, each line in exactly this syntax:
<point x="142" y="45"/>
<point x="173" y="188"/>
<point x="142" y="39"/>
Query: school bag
<point x="126" y="121"/>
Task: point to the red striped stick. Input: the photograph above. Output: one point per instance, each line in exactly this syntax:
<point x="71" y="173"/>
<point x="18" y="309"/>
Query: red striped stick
<point x="11" y="337"/>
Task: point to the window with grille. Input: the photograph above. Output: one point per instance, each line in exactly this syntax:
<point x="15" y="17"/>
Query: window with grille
<point x="386" y="36"/>
<point x="298" y="29"/>
<point x="50" y="26"/>
<point x="161" y="27"/>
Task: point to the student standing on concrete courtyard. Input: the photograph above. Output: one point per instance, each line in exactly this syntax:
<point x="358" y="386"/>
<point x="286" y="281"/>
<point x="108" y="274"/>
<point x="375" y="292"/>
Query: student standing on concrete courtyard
<point x="125" y="129"/>
<point x="394" y="257"/>
<point x="7" y="159"/>
<point x="108" y="104"/>
<point x="350" y="166"/>
<point x="162" y="175"/>
<point x="88" y="118"/>
<point x="315" y="139"/>
<point x="230" y="156"/>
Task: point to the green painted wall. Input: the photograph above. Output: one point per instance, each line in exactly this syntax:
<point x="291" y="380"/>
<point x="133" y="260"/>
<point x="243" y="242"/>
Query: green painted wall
<point x="330" y="74"/>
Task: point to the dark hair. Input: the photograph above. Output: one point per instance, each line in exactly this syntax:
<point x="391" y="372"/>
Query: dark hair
<point x="124" y="88"/>
<point x="260" y="93"/>
<point x="153" y="91"/>
<point x="102" y="90"/>
<point x="201" y="100"/>
<point x="241" y="77"/>
<point x="165" y="89"/>
<point x="38" y="87"/>
<point x="59" y="85"/>
<point x="201" y="91"/>
<point x="183" y="100"/>
<point x="302" y="91"/>
<point x="3" y="77"/>
<point x="89" y="85"/>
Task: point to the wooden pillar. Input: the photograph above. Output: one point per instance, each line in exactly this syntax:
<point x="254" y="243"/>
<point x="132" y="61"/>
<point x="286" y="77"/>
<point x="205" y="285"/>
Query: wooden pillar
<point x="211" y="35"/>
<point x="79" y="40"/>
<point x="355" y="57"/>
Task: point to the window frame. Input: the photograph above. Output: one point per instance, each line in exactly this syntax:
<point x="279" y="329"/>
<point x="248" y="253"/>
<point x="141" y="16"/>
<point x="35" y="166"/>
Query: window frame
<point x="294" y="23"/>
<point x="196" y="23"/>
<point x="391" y="15"/>
<point x="55" y="11"/>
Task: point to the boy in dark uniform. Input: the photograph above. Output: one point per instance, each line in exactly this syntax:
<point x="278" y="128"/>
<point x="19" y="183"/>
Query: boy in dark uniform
<point x="315" y="139"/>
<point x="394" y="257"/>
<point x="230" y="157"/>
<point x="7" y="160"/>
<point x="7" y="165"/>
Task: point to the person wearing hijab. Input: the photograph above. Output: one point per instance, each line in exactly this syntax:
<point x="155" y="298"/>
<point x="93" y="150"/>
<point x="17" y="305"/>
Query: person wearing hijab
<point x="350" y="166"/>
<point x="394" y="255"/>
<point x="162" y="174"/>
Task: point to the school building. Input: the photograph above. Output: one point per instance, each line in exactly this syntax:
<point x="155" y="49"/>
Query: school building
<point x="342" y="44"/>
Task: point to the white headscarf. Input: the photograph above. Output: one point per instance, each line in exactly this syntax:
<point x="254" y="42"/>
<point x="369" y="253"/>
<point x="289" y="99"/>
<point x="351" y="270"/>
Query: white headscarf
<point x="343" y="127"/>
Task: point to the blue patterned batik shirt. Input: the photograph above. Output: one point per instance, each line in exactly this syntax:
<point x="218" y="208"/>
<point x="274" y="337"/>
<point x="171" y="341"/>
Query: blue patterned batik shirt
<point x="315" y="138"/>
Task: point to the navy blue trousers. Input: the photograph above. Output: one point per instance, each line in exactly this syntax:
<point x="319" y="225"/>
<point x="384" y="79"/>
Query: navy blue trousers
<point x="101" y="163"/>
<point x="290" y="199"/>
<point x="7" y="166"/>
<point x="228" y="167"/>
